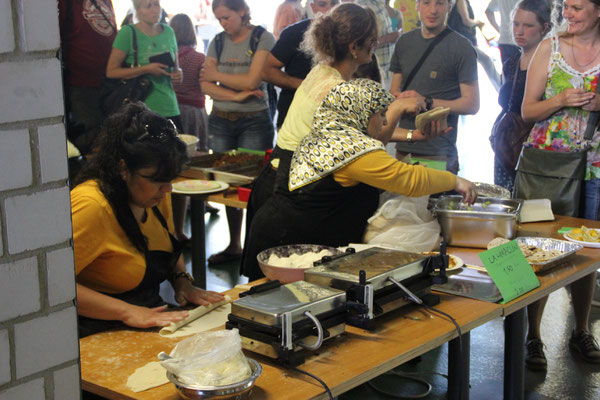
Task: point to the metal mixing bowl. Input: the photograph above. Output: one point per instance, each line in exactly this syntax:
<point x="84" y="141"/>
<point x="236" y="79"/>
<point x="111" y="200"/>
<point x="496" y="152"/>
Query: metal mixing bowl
<point x="288" y="274"/>
<point x="235" y="391"/>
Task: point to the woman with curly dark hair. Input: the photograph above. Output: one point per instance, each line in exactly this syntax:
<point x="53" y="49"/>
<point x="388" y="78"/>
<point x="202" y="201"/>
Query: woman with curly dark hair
<point x="123" y="223"/>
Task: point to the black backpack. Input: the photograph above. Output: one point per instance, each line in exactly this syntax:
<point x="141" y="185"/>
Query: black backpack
<point x="254" y="39"/>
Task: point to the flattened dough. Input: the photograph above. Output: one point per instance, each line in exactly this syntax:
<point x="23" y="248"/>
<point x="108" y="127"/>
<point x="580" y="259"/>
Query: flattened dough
<point x="146" y="377"/>
<point x="197" y="321"/>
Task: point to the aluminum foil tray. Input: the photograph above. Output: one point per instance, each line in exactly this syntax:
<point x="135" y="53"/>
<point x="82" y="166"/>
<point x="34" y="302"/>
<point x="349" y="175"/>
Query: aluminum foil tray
<point x="489" y="190"/>
<point x="568" y="249"/>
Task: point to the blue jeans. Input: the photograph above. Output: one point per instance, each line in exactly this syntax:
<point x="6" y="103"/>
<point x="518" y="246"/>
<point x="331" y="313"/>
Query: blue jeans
<point x="592" y="199"/>
<point x="254" y="132"/>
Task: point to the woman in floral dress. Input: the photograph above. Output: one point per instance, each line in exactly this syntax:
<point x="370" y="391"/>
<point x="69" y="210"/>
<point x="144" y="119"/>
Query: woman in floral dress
<point x="559" y="95"/>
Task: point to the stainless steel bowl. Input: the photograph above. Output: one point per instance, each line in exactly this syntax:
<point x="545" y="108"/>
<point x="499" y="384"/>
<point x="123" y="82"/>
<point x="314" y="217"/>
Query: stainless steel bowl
<point x="288" y="274"/>
<point x="489" y="190"/>
<point x="235" y="391"/>
<point x="476" y="225"/>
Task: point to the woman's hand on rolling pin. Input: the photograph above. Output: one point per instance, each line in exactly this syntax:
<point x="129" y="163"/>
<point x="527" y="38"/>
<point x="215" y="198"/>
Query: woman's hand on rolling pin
<point x="246" y="94"/>
<point x="467" y="189"/>
<point x="177" y="75"/>
<point x="190" y="294"/>
<point x="143" y="317"/>
<point x="155" y="69"/>
<point x="572" y="97"/>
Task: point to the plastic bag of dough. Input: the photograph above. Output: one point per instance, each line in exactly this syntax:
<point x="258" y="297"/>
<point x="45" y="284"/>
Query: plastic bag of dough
<point x="404" y="223"/>
<point x="212" y="358"/>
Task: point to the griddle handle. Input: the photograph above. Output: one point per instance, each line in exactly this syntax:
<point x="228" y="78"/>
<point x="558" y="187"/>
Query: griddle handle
<point x="264" y="287"/>
<point x="326" y="259"/>
<point x="362" y="277"/>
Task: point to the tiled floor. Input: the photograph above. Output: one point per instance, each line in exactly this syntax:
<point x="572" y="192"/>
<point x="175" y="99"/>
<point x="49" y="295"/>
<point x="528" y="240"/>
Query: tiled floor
<point x="566" y="378"/>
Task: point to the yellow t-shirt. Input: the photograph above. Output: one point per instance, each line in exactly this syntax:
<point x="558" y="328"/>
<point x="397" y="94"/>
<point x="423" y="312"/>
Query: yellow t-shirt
<point x="380" y="170"/>
<point x="105" y="259"/>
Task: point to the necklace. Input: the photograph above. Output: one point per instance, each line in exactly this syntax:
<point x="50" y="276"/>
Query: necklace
<point x="575" y="59"/>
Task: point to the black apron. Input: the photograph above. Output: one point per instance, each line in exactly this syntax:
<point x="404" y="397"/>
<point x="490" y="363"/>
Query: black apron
<point x="159" y="267"/>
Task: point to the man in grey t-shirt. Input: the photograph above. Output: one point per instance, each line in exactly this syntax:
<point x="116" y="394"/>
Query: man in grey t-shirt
<point x="447" y="78"/>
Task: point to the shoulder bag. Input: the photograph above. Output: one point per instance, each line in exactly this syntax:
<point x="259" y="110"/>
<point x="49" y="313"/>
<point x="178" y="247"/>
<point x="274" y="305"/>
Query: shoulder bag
<point x="509" y="132"/>
<point x="116" y="92"/>
<point x="558" y="176"/>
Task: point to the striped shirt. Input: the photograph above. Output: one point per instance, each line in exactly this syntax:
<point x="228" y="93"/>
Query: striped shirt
<point x="189" y="91"/>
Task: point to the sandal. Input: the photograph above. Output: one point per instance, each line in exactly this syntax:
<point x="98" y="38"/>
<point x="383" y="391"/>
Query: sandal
<point x="223" y="257"/>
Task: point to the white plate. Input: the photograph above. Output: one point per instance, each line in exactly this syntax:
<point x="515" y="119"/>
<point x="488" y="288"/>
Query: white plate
<point x="457" y="261"/>
<point x="595" y="245"/>
<point x="199" y="186"/>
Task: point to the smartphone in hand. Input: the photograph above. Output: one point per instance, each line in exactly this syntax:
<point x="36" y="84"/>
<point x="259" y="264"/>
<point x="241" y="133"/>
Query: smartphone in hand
<point x="163" y="58"/>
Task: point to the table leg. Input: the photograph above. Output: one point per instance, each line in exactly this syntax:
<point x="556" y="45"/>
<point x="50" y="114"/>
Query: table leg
<point x="198" y="241"/>
<point x="459" y="365"/>
<point x="514" y="355"/>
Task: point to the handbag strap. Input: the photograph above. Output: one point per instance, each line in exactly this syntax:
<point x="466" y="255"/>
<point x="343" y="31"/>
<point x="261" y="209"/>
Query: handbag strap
<point x="135" y="46"/>
<point x="592" y="123"/>
<point x="514" y="83"/>
<point x="431" y="46"/>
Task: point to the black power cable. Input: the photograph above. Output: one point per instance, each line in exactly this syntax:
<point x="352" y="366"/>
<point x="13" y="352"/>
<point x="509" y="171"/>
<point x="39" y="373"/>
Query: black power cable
<point x="317" y="379"/>
<point x="419" y="380"/>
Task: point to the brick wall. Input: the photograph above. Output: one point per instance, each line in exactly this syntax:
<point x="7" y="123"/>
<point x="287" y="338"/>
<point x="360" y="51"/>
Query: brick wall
<point x="38" y="324"/>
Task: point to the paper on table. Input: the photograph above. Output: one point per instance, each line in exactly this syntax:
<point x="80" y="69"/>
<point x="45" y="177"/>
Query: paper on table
<point x="193" y="315"/>
<point x="536" y="210"/>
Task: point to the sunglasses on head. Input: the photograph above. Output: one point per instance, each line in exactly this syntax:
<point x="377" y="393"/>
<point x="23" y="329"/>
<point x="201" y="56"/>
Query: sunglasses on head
<point x="158" y="135"/>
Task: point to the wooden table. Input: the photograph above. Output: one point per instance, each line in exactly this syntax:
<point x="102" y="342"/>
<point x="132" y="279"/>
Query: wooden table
<point x="586" y="261"/>
<point x="344" y="362"/>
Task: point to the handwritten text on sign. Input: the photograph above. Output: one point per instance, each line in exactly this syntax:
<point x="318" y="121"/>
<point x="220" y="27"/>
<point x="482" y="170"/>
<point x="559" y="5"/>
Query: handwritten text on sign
<point x="509" y="270"/>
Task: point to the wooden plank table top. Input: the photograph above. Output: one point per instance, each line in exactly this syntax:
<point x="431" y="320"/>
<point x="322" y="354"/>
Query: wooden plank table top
<point x="344" y="362"/>
<point x="586" y="261"/>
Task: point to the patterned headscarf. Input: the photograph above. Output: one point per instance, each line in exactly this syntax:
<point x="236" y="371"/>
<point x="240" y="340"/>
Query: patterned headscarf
<point x="339" y="133"/>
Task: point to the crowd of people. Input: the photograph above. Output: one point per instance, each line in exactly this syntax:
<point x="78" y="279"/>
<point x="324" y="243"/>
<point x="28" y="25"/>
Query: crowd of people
<point x="349" y="81"/>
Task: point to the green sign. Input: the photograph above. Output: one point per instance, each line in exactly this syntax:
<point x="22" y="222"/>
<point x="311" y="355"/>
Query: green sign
<point x="509" y="270"/>
<point x="429" y="163"/>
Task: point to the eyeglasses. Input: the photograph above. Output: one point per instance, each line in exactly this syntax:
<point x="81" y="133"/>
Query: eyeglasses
<point x="158" y="136"/>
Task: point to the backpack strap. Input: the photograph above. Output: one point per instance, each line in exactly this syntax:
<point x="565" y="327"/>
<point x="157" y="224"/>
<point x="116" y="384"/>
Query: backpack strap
<point x="254" y="39"/>
<point x="219" y="45"/>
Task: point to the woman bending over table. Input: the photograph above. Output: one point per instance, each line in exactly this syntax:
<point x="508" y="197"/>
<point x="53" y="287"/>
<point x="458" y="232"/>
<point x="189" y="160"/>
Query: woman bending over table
<point x="123" y="226"/>
<point x="338" y="42"/>
<point x="559" y="96"/>
<point x="336" y="173"/>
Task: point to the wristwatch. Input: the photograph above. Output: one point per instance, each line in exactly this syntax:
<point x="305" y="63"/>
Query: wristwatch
<point x="177" y="275"/>
<point x="409" y="135"/>
<point x="428" y="103"/>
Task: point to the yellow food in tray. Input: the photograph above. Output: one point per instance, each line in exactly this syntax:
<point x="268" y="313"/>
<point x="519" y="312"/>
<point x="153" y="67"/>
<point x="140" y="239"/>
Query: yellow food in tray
<point x="584" y="234"/>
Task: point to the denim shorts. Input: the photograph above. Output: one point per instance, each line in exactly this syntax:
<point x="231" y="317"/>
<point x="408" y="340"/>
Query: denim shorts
<point x="254" y="132"/>
<point x="591" y="204"/>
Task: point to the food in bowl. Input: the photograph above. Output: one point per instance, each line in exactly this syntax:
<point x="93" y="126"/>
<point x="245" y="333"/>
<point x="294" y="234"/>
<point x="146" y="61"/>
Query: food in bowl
<point x="290" y="261"/>
<point x="235" y="391"/>
<point x="584" y="234"/>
